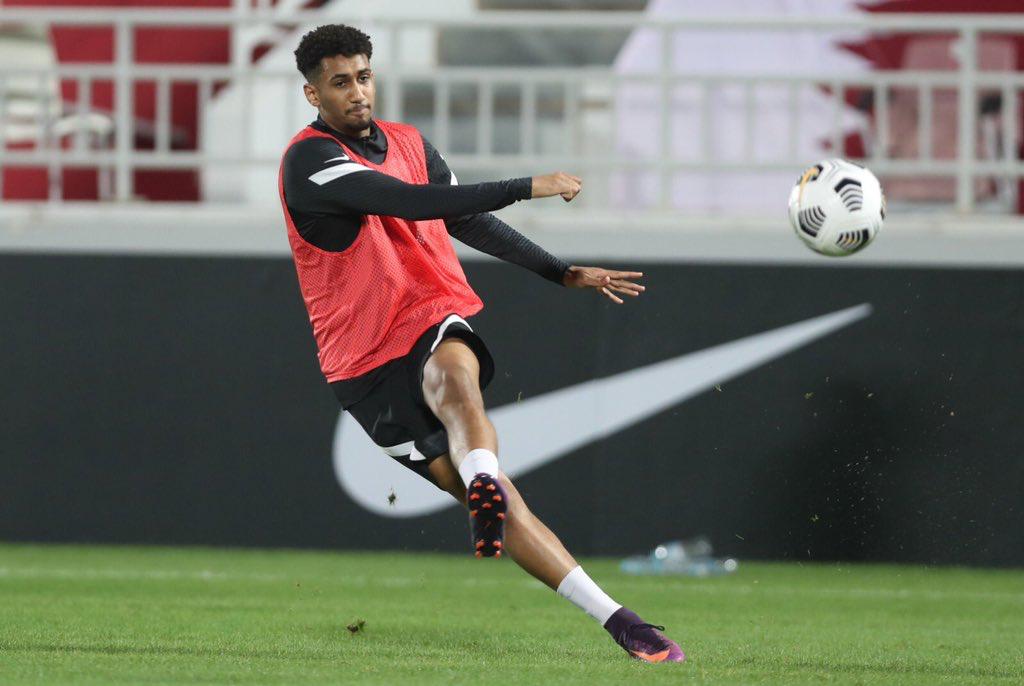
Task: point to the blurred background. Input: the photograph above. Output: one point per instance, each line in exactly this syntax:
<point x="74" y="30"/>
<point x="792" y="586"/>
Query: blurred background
<point x="159" y="379"/>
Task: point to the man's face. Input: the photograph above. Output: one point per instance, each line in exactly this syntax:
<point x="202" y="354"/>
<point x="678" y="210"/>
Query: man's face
<point x="344" y="93"/>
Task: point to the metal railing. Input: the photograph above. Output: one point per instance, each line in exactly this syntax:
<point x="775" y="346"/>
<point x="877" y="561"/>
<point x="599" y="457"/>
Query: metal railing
<point x="563" y="97"/>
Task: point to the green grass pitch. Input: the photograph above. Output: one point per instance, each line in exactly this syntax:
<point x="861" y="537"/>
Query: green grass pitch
<point x="107" y="615"/>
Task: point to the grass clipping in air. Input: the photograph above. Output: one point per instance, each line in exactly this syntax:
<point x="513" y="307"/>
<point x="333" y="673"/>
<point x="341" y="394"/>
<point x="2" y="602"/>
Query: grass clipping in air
<point x="160" y="615"/>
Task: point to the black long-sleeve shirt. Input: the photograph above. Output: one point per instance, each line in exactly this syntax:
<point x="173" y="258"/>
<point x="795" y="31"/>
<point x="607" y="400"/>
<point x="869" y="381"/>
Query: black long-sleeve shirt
<point x="328" y="194"/>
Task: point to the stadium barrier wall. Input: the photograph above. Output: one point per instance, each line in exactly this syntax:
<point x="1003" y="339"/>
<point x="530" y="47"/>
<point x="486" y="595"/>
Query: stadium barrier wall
<point x="176" y="400"/>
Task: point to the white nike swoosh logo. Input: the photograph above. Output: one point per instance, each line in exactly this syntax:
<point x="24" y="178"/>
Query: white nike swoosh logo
<point x="539" y="430"/>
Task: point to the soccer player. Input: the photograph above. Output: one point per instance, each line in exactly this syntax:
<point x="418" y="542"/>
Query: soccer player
<point x="369" y="207"/>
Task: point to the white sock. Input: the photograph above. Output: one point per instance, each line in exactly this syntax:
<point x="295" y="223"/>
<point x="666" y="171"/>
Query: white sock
<point x="580" y="590"/>
<point x="477" y="461"/>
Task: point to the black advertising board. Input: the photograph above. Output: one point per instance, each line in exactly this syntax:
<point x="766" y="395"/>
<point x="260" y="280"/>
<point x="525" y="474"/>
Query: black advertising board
<point x="871" y="413"/>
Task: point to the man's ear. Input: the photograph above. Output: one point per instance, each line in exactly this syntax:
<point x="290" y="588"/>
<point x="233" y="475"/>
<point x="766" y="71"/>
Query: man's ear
<point x="312" y="96"/>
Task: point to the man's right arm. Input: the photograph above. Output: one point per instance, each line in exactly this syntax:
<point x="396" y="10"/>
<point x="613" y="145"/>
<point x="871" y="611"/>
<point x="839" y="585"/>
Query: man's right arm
<point x="320" y="178"/>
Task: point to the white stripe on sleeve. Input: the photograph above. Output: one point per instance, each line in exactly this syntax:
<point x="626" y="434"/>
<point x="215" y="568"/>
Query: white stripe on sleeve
<point x="336" y="172"/>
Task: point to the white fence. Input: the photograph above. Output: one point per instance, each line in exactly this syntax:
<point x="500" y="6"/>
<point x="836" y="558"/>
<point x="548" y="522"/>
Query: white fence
<point x="577" y="103"/>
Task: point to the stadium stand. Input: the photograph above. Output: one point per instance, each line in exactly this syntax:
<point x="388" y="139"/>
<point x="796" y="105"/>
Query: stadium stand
<point x="505" y="88"/>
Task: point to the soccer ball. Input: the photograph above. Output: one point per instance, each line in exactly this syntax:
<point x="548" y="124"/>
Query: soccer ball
<point x="837" y="207"/>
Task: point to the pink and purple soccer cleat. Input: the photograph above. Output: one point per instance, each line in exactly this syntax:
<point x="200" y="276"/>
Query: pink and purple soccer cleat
<point x="641" y="640"/>
<point x="488" y="504"/>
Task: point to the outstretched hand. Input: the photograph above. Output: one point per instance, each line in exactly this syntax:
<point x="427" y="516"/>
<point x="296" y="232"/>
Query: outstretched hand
<point x="604" y="281"/>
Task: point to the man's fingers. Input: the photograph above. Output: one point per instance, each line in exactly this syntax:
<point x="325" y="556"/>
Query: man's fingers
<point x="602" y="277"/>
<point x="626" y="275"/>
<point x="613" y="297"/>
<point x="574" y="189"/>
<point x="629" y="285"/>
<point x="620" y="289"/>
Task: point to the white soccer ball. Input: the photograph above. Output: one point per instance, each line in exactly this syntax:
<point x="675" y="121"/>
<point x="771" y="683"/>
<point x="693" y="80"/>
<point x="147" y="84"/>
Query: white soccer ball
<point x="837" y="207"/>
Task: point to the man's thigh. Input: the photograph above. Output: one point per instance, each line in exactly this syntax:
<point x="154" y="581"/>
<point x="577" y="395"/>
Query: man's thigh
<point x="452" y="373"/>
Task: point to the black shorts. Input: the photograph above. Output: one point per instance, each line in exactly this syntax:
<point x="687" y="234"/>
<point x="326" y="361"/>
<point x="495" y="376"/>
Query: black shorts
<point x="394" y="412"/>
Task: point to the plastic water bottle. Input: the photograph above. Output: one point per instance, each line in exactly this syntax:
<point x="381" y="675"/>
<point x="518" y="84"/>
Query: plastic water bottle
<point x="685" y="558"/>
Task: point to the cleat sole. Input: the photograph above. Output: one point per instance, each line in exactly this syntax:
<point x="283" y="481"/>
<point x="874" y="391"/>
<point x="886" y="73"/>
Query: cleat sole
<point x="487" y="515"/>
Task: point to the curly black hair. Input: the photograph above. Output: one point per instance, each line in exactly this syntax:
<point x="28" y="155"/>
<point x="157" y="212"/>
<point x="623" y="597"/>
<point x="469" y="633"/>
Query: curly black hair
<point x="326" y="41"/>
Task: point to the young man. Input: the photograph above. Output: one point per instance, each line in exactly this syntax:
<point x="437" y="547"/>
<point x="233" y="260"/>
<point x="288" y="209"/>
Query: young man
<point x="369" y="207"/>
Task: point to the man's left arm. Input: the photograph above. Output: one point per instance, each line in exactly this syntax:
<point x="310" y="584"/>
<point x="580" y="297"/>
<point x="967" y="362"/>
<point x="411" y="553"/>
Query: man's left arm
<point x="490" y="235"/>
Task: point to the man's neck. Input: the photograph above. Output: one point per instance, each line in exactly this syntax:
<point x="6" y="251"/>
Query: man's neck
<point x="372" y="145"/>
<point x="347" y="132"/>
